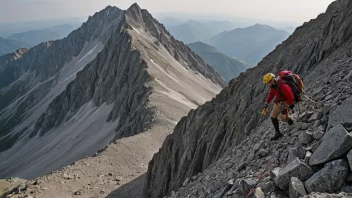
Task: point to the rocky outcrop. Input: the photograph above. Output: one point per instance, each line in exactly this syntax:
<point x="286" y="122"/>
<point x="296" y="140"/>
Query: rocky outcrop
<point x="336" y="143"/>
<point x="219" y="140"/>
<point x="329" y="179"/>
<point x="296" y="169"/>
<point x="296" y="188"/>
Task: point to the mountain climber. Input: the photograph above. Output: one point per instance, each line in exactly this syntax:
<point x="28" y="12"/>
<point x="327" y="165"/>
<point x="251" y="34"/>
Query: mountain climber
<point x="284" y="101"/>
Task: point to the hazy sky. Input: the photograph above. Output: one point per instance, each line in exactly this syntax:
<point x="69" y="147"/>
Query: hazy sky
<point x="278" y="10"/>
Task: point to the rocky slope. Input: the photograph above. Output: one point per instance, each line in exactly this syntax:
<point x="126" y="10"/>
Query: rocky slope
<point x="225" y="66"/>
<point x="143" y="80"/>
<point x="226" y="139"/>
<point x="248" y="44"/>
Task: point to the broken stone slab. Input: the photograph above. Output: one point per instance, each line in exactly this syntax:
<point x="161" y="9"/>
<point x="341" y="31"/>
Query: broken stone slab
<point x="305" y="116"/>
<point x="275" y="172"/>
<point x="349" y="158"/>
<point x="296" y="188"/>
<point x="329" y="179"/>
<point x="342" y="113"/>
<point x="315" y="116"/>
<point x="328" y="97"/>
<point x="294" y="153"/>
<point x="294" y="169"/>
<point x="317" y="123"/>
<point x="336" y="143"/>
<point x="305" y="126"/>
<point x="305" y="137"/>
<point x="258" y="193"/>
<point x="318" y="134"/>
<point x="246" y="185"/>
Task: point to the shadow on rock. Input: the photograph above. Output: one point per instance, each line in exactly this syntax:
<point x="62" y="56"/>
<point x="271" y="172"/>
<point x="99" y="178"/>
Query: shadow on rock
<point x="133" y="189"/>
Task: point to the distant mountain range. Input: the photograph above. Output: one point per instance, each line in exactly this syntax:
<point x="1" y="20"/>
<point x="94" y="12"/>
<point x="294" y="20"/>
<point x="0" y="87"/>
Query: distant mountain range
<point x="227" y="67"/>
<point x="249" y="44"/>
<point x="35" y="37"/>
<point x="10" y="45"/>
<point x="193" y="31"/>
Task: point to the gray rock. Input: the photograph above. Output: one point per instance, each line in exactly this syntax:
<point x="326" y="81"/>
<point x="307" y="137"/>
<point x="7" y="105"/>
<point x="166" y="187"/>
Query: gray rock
<point x="347" y="189"/>
<point x="258" y="193"/>
<point x="305" y="137"/>
<point x="305" y="126"/>
<point x="328" y="97"/>
<point x="329" y="179"/>
<point x="275" y="172"/>
<point x="349" y="157"/>
<point x="295" y="169"/>
<point x="293" y="140"/>
<point x="296" y="188"/>
<point x="318" y="134"/>
<point x="349" y="178"/>
<point x="305" y="116"/>
<point x="315" y="116"/>
<point x="263" y="153"/>
<point x="185" y="182"/>
<point x="342" y="114"/>
<point x="246" y="185"/>
<point x="278" y="194"/>
<point x="294" y="153"/>
<point x="307" y="157"/>
<point x="317" y="123"/>
<point x="336" y="142"/>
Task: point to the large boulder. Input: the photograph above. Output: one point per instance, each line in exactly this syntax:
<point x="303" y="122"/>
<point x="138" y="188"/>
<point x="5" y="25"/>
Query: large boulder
<point x="336" y="143"/>
<point x="342" y="114"/>
<point x="329" y="179"/>
<point x="294" y="169"/>
<point x="349" y="157"/>
<point x="296" y="188"/>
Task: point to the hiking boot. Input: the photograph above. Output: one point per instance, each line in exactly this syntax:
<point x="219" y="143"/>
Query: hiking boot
<point x="276" y="136"/>
<point x="277" y="129"/>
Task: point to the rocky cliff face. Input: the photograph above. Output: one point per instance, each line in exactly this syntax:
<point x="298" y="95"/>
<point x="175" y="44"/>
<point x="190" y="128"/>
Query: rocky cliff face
<point x="142" y="79"/>
<point x="226" y="138"/>
<point x="32" y="81"/>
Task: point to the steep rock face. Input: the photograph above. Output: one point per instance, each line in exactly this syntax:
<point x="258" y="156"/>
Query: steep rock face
<point x="319" y="48"/>
<point x="142" y="79"/>
<point x="29" y="83"/>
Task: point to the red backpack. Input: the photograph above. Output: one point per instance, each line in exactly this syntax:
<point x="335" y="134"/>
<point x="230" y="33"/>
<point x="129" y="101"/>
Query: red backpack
<point x="294" y="81"/>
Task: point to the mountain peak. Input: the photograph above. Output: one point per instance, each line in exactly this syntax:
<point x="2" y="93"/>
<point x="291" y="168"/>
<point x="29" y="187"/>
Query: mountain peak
<point x="134" y="6"/>
<point x="263" y="26"/>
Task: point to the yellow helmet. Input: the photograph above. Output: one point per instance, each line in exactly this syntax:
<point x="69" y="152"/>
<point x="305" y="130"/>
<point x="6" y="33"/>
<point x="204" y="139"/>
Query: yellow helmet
<point x="268" y="77"/>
